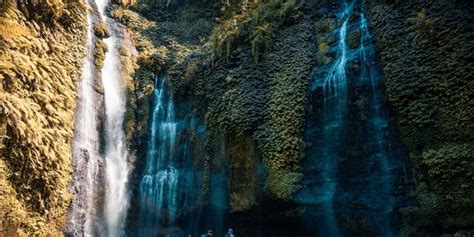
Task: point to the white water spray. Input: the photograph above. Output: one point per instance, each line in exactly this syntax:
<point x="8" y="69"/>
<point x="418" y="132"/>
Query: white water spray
<point x="85" y="145"/>
<point x="158" y="187"/>
<point x="116" y="164"/>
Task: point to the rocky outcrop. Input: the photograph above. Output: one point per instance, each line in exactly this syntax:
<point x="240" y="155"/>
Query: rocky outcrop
<point x="426" y="49"/>
<point x="41" y="51"/>
<point x="251" y="100"/>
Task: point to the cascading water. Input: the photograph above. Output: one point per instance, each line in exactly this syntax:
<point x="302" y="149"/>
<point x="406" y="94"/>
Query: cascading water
<point x="332" y="123"/>
<point x="377" y="126"/>
<point x="158" y="186"/>
<point x="116" y="164"/>
<point x="85" y="145"/>
<point x="354" y="147"/>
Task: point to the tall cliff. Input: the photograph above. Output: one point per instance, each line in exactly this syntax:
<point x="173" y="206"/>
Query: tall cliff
<point x="277" y="118"/>
<point x="41" y="51"/>
<point x="249" y="79"/>
<point x="427" y="50"/>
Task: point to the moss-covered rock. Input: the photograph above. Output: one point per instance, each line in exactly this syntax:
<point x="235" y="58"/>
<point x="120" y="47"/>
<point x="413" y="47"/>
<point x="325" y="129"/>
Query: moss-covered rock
<point x="100" y="30"/>
<point x="324" y="25"/>
<point x="265" y="100"/>
<point x="41" y="51"/>
<point x="99" y="53"/>
<point x="353" y="39"/>
<point x="426" y="50"/>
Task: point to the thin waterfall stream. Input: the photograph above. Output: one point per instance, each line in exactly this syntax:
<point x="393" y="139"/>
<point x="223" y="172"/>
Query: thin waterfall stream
<point x="378" y="124"/>
<point x="349" y="165"/>
<point x="332" y="124"/>
<point x="159" y="183"/>
<point x="116" y="163"/>
<point x="85" y="145"/>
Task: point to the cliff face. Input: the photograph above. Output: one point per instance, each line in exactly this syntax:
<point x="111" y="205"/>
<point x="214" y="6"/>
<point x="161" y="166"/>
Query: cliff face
<point x="426" y="50"/>
<point x="249" y="80"/>
<point x="41" y="51"/>
<point x="253" y="105"/>
<point x="248" y="121"/>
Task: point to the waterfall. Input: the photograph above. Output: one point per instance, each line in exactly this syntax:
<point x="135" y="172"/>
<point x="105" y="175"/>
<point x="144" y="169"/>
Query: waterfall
<point x="378" y="125"/>
<point x="334" y="88"/>
<point x="85" y="145"/>
<point x="116" y="164"/>
<point x="335" y="107"/>
<point x="159" y="183"/>
<point x="348" y="170"/>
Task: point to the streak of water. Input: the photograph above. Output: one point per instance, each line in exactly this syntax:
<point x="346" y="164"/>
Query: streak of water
<point x="116" y="164"/>
<point x="158" y="187"/>
<point x="378" y="122"/>
<point x="85" y="145"/>
<point x="333" y="121"/>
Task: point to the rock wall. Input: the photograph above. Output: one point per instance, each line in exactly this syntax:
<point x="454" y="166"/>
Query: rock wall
<point x="427" y="50"/>
<point x="263" y="101"/>
<point x="41" y="51"/>
<point x="253" y="111"/>
<point x="248" y="81"/>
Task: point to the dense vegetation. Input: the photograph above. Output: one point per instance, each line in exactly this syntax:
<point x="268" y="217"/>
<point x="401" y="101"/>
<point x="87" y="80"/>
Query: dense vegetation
<point x="248" y="88"/>
<point x="41" y="51"/>
<point x="427" y="51"/>
<point x="246" y="67"/>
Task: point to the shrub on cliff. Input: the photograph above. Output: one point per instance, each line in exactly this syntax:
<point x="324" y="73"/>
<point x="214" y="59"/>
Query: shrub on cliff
<point x="254" y="26"/>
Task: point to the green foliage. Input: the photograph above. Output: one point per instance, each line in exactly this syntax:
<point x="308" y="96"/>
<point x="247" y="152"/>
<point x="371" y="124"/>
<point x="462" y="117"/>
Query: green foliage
<point x="260" y="41"/>
<point x="280" y="138"/>
<point x="242" y="172"/>
<point x="449" y="176"/>
<point x="354" y="39"/>
<point x="322" y="56"/>
<point x="283" y="184"/>
<point x="255" y="26"/>
<point x="422" y="23"/>
<point x="265" y="101"/>
<point x="428" y="77"/>
<point x="100" y="30"/>
<point x="11" y="28"/>
<point x="324" y="28"/>
<point x="325" y="25"/>
<point x="225" y="35"/>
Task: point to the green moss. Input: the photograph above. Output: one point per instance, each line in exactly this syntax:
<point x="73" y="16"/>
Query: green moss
<point x="255" y="26"/>
<point x="242" y="172"/>
<point x="325" y="25"/>
<point x="450" y="171"/>
<point x="428" y="81"/>
<point x="322" y="56"/>
<point x="260" y="41"/>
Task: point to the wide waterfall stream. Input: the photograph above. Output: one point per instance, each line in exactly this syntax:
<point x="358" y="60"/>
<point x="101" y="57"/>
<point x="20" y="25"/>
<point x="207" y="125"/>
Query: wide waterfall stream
<point x="348" y="169"/>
